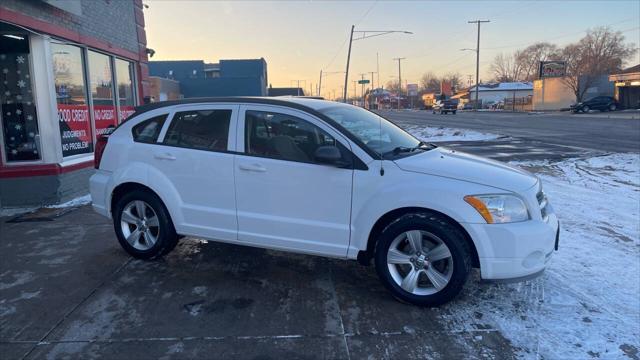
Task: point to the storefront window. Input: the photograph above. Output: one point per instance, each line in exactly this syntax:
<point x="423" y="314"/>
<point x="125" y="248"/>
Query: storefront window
<point x="124" y="77"/>
<point x="71" y="96"/>
<point x="18" y="117"/>
<point x="101" y="86"/>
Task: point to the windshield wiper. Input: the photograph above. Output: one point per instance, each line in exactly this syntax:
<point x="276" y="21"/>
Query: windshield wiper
<point x="405" y="149"/>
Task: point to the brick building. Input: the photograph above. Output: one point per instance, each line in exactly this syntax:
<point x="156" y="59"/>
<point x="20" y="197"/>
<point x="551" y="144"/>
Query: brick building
<point x="69" y="70"/>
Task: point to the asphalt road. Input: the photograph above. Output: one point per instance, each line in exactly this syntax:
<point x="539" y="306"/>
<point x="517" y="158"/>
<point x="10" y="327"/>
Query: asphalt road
<point x="556" y="132"/>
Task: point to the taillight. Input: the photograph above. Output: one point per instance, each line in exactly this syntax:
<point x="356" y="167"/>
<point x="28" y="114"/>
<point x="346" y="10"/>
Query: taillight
<point x="101" y="144"/>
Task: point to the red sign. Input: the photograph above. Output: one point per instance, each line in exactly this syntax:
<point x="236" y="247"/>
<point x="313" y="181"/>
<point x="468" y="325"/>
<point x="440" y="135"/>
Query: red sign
<point x="125" y="112"/>
<point x="75" y="129"/>
<point x="104" y="117"/>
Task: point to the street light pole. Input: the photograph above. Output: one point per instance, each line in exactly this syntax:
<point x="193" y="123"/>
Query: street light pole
<point x="475" y="106"/>
<point x="365" y="35"/>
<point x="320" y="83"/>
<point x="399" y="80"/>
<point x="346" y="74"/>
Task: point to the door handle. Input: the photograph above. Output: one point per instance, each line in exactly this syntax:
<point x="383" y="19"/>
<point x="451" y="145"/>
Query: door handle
<point x="165" y="156"/>
<point x="253" y="167"/>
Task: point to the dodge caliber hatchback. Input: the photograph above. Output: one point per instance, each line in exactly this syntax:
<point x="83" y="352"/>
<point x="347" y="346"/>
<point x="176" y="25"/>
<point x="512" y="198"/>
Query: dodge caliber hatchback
<point x="321" y="178"/>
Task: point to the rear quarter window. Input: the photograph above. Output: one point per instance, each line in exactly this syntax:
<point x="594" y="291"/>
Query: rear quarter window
<point x="149" y="130"/>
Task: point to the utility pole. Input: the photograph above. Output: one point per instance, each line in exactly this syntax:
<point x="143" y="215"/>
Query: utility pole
<point x="320" y="83"/>
<point x="298" y="86"/>
<point x="362" y="88"/>
<point x="378" y="68"/>
<point x="372" y="87"/>
<point x="399" y="80"/>
<point x="346" y="75"/>
<point x="355" y="90"/>
<point x="475" y="106"/>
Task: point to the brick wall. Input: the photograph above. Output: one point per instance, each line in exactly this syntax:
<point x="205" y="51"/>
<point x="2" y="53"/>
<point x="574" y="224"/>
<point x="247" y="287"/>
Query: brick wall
<point x="112" y="21"/>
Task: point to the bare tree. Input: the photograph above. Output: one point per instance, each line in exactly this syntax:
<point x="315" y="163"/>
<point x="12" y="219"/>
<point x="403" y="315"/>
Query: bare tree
<point x="505" y="68"/>
<point x="529" y="59"/>
<point x="455" y="79"/>
<point x="392" y="86"/>
<point x="429" y="82"/>
<point x="601" y="51"/>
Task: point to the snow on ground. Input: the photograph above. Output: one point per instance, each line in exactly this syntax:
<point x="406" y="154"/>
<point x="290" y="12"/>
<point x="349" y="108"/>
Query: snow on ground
<point x="79" y="201"/>
<point x="587" y="304"/>
<point x="435" y="134"/>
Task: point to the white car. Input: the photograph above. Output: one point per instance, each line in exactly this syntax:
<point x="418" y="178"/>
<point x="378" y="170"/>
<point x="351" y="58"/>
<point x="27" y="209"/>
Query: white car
<point x="322" y="178"/>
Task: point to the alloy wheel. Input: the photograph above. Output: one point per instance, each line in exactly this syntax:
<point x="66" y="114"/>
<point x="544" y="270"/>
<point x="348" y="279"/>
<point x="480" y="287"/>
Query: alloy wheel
<point x="420" y="262"/>
<point x="140" y="225"/>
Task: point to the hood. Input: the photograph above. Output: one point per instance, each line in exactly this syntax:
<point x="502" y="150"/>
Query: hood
<point x="466" y="167"/>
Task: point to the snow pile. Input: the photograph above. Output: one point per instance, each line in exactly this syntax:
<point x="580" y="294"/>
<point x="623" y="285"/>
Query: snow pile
<point x="79" y="201"/>
<point x="436" y="134"/>
<point x="587" y="304"/>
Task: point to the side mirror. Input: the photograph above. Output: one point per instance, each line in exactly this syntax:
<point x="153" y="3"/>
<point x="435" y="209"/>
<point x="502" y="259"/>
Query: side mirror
<point x="329" y="155"/>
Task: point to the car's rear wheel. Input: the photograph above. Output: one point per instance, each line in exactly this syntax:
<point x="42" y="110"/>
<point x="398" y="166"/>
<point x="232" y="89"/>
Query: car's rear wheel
<point x="423" y="259"/>
<point x="143" y="225"/>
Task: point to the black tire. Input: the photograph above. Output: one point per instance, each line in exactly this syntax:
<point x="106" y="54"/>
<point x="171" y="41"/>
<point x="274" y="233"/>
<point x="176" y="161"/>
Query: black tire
<point x="585" y="109"/>
<point x="450" y="235"/>
<point x="166" y="236"/>
<point x="453" y="112"/>
<point x="613" y="107"/>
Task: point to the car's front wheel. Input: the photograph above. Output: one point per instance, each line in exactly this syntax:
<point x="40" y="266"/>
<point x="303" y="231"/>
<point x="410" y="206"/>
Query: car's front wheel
<point x="143" y="225"/>
<point x="423" y="259"/>
<point x="612" y="107"/>
<point x="585" y="109"/>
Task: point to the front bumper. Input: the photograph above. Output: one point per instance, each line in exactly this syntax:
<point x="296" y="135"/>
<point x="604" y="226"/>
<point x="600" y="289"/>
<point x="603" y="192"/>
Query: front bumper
<point x="516" y="251"/>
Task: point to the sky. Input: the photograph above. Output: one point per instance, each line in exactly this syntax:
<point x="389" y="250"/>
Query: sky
<point x="299" y="38"/>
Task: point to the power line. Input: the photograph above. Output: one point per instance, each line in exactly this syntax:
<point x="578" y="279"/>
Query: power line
<point x="345" y="40"/>
<point x="560" y="36"/>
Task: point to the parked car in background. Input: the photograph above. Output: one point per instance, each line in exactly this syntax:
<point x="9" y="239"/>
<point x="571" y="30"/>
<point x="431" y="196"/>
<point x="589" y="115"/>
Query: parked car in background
<point x="602" y="103"/>
<point x="321" y="178"/>
<point x="445" y="106"/>
<point x="466" y="106"/>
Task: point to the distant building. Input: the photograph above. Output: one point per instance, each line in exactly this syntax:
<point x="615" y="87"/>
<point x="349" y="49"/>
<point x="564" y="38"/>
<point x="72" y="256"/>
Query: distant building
<point x="552" y="94"/>
<point x="163" y="89"/>
<point x="286" y="91"/>
<point x="627" y="87"/>
<point x="498" y="92"/>
<point x="247" y="77"/>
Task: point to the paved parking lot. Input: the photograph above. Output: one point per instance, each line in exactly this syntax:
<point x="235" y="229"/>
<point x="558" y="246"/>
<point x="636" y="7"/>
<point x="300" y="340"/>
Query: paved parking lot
<point x="68" y="290"/>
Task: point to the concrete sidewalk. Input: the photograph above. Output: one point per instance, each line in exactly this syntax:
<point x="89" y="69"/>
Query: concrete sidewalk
<point x="68" y="290"/>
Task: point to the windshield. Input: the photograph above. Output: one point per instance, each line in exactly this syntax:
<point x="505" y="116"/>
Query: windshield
<point x="377" y="133"/>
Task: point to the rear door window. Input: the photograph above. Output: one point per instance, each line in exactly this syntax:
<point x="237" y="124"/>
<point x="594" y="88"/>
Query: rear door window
<point x="148" y="130"/>
<point x="200" y="129"/>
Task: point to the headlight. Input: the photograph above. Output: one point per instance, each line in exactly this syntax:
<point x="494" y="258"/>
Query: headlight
<point x="498" y="209"/>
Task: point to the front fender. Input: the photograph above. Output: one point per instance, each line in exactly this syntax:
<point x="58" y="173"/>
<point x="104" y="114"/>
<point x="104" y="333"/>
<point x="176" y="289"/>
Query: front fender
<point x="427" y="192"/>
